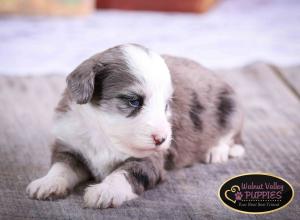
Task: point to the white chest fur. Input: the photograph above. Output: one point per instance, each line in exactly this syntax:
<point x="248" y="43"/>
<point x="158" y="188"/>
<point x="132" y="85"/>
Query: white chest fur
<point x="81" y="129"/>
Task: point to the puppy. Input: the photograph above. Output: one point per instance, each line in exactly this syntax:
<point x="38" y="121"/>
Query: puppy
<point x="127" y="115"/>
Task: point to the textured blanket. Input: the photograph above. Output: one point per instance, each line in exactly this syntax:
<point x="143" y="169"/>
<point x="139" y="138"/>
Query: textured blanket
<point x="272" y="134"/>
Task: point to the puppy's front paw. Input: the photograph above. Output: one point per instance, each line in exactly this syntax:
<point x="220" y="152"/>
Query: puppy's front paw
<point x="112" y="192"/>
<point x="48" y="188"/>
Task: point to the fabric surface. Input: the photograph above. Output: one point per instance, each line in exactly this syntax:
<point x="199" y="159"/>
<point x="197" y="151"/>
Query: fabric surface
<point x="272" y="132"/>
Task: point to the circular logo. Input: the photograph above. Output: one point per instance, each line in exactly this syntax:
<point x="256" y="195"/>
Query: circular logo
<point x="256" y="193"/>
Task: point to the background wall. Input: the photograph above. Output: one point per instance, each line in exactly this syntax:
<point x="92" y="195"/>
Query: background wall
<point x="233" y="33"/>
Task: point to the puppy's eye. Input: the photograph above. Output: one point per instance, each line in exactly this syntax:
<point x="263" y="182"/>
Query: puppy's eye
<point x="135" y="103"/>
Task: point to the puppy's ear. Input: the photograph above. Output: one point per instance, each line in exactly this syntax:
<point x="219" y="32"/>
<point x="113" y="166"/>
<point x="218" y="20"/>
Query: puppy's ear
<point x="81" y="81"/>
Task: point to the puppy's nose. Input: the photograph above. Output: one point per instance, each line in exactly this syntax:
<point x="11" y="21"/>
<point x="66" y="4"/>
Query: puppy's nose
<point x="158" y="140"/>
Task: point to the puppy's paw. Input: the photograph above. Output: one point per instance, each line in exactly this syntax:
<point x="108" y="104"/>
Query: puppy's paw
<point x="48" y="188"/>
<point x="112" y="192"/>
<point x="236" y="150"/>
<point x="218" y="154"/>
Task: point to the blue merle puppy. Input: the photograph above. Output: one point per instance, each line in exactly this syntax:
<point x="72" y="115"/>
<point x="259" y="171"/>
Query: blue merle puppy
<point x="127" y="115"/>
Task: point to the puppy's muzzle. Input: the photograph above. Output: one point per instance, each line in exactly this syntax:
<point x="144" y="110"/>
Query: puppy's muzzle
<point x="158" y="140"/>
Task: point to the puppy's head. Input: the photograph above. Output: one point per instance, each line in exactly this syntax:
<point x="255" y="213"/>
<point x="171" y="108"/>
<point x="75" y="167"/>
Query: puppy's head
<point x="128" y="88"/>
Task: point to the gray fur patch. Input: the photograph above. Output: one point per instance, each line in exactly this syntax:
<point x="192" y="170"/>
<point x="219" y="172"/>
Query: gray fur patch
<point x="195" y="110"/>
<point x="81" y="82"/>
<point x="62" y="153"/>
<point x="238" y="139"/>
<point x="143" y="173"/>
<point x="64" y="104"/>
<point x="103" y="78"/>
<point x="116" y="80"/>
<point x="225" y="107"/>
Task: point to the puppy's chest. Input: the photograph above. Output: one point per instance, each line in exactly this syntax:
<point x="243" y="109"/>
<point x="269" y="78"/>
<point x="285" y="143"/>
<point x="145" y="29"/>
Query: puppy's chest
<point x="101" y="160"/>
<point x="91" y="144"/>
<point x="84" y="137"/>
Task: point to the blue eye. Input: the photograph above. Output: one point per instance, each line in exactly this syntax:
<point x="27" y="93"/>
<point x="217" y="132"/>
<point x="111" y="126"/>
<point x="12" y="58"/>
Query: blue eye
<point x="135" y="103"/>
<point x="132" y="100"/>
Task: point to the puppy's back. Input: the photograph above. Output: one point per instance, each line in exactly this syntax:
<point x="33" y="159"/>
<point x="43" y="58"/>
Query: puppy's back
<point x="205" y="109"/>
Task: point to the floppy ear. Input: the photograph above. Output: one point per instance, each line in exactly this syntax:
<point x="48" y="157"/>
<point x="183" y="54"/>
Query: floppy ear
<point x="81" y="81"/>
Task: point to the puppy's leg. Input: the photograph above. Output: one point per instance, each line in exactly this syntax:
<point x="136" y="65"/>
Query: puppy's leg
<point x="129" y="180"/>
<point x="112" y="192"/>
<point x="237" y="148"/>
<point x="218" y="154"/>
<point x="226" y="147"/>
<point x="65" y="173"/>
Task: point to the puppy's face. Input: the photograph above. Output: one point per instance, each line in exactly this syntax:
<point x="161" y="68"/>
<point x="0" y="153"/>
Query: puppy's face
<point x="129" y="89"/>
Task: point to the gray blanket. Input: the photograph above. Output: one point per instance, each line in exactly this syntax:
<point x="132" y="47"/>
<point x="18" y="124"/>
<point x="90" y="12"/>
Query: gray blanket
<point x="272" y="134"/>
